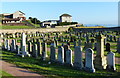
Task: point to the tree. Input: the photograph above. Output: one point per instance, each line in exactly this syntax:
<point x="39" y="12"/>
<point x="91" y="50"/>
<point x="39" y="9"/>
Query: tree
<point x="30" y="18"/>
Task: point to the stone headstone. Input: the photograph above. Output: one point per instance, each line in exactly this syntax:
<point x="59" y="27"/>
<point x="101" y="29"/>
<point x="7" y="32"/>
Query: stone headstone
<point x="8" y="46"/>
<point x="89" y="66"/>
<point x="52" y="53"/>
<point x="18" y="49"/>
<point x="13" y="46"/>
<point x="88" y="45"/>
<point x="95" y="46"/>
<point x="100" y="60"/>
<point x="118" y="45"/>
<point x="29" y="47"/>
<point x="65" y="50"/>
<point x="69" y="57"/>
<point x="60" y="54"/>
<point x="111" y="61"/>
<point x="23" y="46"/>
<point x="44" y="51"/>
<point x="108" y="47"/>
<point x="39" y="48"/>
<point x="78" y="57"/>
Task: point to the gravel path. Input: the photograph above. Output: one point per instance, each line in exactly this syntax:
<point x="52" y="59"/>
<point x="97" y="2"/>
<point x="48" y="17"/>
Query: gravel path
<point x="18" y="72"/>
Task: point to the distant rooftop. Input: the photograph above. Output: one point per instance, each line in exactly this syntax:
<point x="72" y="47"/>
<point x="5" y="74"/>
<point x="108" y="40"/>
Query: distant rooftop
<point x="65" y="15"/>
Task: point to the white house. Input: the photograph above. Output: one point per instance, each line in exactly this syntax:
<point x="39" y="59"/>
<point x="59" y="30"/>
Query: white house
<point x="16" y="17"/>
<point x="65" y="18"/>
<point x="49" y="22"/>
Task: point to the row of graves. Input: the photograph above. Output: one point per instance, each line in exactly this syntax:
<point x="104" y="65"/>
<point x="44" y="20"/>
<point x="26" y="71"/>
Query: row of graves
<point x="66" y="48"/>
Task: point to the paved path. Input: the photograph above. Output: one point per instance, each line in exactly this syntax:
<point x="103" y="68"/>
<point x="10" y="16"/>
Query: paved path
<point x="18" y="72"/>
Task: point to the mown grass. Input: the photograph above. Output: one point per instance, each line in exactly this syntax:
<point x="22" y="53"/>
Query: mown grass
<point x="54" y="70"/>
<point x="15" y="27"/>
<point x="4" y="74"/>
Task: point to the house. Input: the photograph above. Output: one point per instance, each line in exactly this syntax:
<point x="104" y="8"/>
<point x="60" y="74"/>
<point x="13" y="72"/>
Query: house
<point x="49" y="22"/>
<point x="65" y="18"/>
<point x="16" y="17"/>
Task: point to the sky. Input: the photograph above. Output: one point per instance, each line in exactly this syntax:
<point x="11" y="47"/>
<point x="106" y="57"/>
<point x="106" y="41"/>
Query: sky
<point x="82" y="12"/>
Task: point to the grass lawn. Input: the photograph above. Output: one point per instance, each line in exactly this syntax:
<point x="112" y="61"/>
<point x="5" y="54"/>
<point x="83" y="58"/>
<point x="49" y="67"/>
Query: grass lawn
<point x="15" y="27"/>
<point x="4" y="74"/>
<point x="54" y="70"/>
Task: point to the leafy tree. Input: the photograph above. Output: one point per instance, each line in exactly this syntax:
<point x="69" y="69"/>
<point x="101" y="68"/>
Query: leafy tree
<point x="30" y="18"/>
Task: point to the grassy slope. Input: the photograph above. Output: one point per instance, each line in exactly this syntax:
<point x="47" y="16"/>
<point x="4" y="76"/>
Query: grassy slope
<point x="5" y="74"/>
<point x="36" y="25"/>
<point x="53" y="70"/>
<point x="15" y="27"/>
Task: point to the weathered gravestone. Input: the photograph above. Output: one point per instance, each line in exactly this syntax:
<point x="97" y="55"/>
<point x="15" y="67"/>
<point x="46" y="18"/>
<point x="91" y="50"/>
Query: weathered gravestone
<point x="79" y="42"/>
<point x="118" y="45"/>
<point x="108" y="47"/>
<point x="8" y="46"/>
<point x="13" y="46"/>
<point x="29" y="47"/>
<point x="88" y="45"/>
<point x="111" y="61"/>
<point x="39" y="49"/>
<point x="60" y="54"/>
<point x="78" y="57"/>
<point x="65" y="50"/>
<point x="89" y="66"/>
<point x="18" y="49"/>
<point x="52" y="53"/>
<point x="44" y="51"/>
<point x="100" y="59"/>
<point x="95" y="46"/>
<point x="23" y="51"/>
<point x="69" y="57"/>
<point x="34" y="50"/>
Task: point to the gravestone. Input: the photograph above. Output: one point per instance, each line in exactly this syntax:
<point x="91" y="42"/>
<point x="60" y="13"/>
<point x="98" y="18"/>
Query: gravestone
<point x="105" y="41"/>
<point x="8" y="46"/>
<point x="39" y="48"/>
<point x="13" y="46"/>
<point x="111" y="61"/>
<point x="115" y="39"/>
<point x="79" y="42"/>
<point x="75" y="43"/>
<point x="29" y="47"/>
<point x="78" y="58"/>
<point x="111" y="38"/>
<point x="52" y="53"/>
<point x="60" y="54"/>
<point x="88" y="45"/>
<point x="118" y="45"/>
<point x="89" y="66"/>
<point x="108" y="47"/>
<point x="65" y="50"/>
<point x="100" y="59"/>
<point x="69" y="57"/>
<point x="23" y="47"/>
<point x="18" y="49"/>
<point x="95" y="46"/>
<point x="44" y="51"/>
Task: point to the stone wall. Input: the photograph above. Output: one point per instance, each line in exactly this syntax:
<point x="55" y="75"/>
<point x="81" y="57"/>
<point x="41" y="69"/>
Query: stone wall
<point x="57" y="29"/>
<point x="97" y="29"/>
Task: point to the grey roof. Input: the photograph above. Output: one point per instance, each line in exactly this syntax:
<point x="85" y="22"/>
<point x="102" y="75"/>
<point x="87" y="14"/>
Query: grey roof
<point x="65" y="15"/>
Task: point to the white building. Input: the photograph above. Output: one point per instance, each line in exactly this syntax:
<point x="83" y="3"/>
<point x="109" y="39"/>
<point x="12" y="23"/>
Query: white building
<point x="65" y="18"/>
<point x="16" y="17"/>
<point x="49" y="22"/>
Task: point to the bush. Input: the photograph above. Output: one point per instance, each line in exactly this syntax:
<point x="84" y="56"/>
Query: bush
<point x="67" y="23"/>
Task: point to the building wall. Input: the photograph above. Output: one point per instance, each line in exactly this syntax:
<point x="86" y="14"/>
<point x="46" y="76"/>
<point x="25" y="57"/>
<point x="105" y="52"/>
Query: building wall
<point x="17" y="14"/>
<point x="65" y="19"/>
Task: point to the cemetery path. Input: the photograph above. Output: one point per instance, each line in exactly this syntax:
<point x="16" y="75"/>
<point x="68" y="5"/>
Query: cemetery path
<point x="18" y="72"/>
